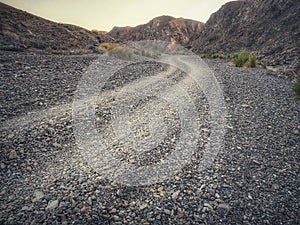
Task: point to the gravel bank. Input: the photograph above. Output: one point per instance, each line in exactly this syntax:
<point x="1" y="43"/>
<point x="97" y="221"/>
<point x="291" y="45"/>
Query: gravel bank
<point x="254" y="180"/>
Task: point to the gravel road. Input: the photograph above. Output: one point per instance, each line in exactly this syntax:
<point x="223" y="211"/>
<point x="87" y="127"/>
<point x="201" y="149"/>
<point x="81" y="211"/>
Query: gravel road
<point x="48" y="179"/>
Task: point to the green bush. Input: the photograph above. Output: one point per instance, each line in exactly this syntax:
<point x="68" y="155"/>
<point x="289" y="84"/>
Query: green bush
<point x="244" y="58"/>
<point x="296" y="87"/>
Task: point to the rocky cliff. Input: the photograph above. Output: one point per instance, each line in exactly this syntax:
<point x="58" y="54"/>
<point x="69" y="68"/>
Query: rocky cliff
<point x="269" y="27"/>
<point x="166" y="28"/>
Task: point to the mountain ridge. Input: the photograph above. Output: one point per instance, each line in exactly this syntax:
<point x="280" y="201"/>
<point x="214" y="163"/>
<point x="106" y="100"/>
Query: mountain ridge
<point x="270" y="28"/>
<point x="166" y="28"/>
<point x="20" y="30"/>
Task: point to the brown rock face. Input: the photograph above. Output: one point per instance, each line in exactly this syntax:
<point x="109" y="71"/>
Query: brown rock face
<point x="20" y="30"/>
<point x="165" y="28"/>
<point x="269" y="27"/>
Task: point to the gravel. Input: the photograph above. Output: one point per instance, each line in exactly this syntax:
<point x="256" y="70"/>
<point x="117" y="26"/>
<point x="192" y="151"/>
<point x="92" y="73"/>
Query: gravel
<point x="254" y="179"/>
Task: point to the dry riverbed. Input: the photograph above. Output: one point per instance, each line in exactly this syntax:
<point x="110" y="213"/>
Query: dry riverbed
<point x="44" y="179"/>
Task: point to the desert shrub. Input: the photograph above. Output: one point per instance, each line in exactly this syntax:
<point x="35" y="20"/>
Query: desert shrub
<point x="108" y="46"/>
<point x="49" y="50"/>
<point x="264" y="65"/>
<point x="95" y="31"/>
<point x="240" y="58"/>
<point x="121" y="53"/>
<point x="251" y="61"/>
<point x="296" y="87"/>
<point x="244" y="58"/>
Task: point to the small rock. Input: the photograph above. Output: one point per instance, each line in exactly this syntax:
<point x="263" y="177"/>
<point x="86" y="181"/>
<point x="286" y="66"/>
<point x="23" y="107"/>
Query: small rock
<point x="224" y="206"/>
<point x="29" y="169"/>
<point x="57" y="145"/>
<point x="166" y="211"/>
<point x="250" y="197"/>
<point x="208" y="205"/>
<point x="256" y="162"/>
<point x="116" y="218"/>
<point x="38" y="195"/>
<point x="84" y="209"/>
<point x="175" y="195"/>
<point x="51" y="122"/>
<point x="245" y="106"/>
<point x="26" y="208"/>
<point x="12" y="154"/>
<point x="113" y="210"/>
<point x="2" y="166"/>
<point x="180" y="213"/>
<point x="52" y="205"/>
<point x="275" y="187"/>
<point x="143" y="206"/>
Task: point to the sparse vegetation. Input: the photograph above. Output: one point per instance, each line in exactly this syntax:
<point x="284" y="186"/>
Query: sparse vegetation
<point x="108" y="46"/>
<point x="244" y="58"/>
<point x="264" y="65"/>
<point x="215" y="56"/>
<point x="121" y="53"/>
<point x="49" y="50"/>
<point x="95" y="31"/>
<point x="296" y="87"/>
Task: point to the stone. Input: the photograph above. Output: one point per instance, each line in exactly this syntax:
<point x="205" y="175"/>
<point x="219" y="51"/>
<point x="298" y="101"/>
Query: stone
<point x="180" y="213"/>
<point x="208" y="205"/>
<point x="38" y="195"/>
<point x="224" y="206"/>
<point x="13" y="154"/>
<point x="116" y="218"/>
<point x="166" y="211"/>
<point x="52" y="205"/>
<point x="143" y="206"/>
<point x="175" y="195"/>
<point x="2" y="166"/>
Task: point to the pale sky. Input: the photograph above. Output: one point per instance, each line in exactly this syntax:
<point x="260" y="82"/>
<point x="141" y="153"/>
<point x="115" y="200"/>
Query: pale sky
<point x="104" y="15"/>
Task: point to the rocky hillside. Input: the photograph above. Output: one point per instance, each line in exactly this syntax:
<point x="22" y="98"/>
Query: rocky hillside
<point x="20" y="30"/>
<point x="166" y="28"/>
<point x="269" y="27"/>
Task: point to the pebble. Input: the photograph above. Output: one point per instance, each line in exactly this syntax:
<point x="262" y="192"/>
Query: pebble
<point x="52" y="205"/>
<point x="180" y="213"/>
<point x="116" y="218"/>
<point x="143" y="206"/>
<point x="208" y="205"/>
<point x="29" y="169"/>
<point x="38" y="195"/>
<point x="175" y="195"/>
<point x="13" y="154"/>
<point x="224" y="206"/>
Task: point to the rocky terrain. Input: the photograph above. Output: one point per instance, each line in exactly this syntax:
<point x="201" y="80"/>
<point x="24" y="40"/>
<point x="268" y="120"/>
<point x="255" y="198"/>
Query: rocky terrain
<point x="268" y="27"/>
<point x="21" y="31"/>
<point x="165" y="28"/>
<point x="50" y="176"/>
<point x="46" y="180"/>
